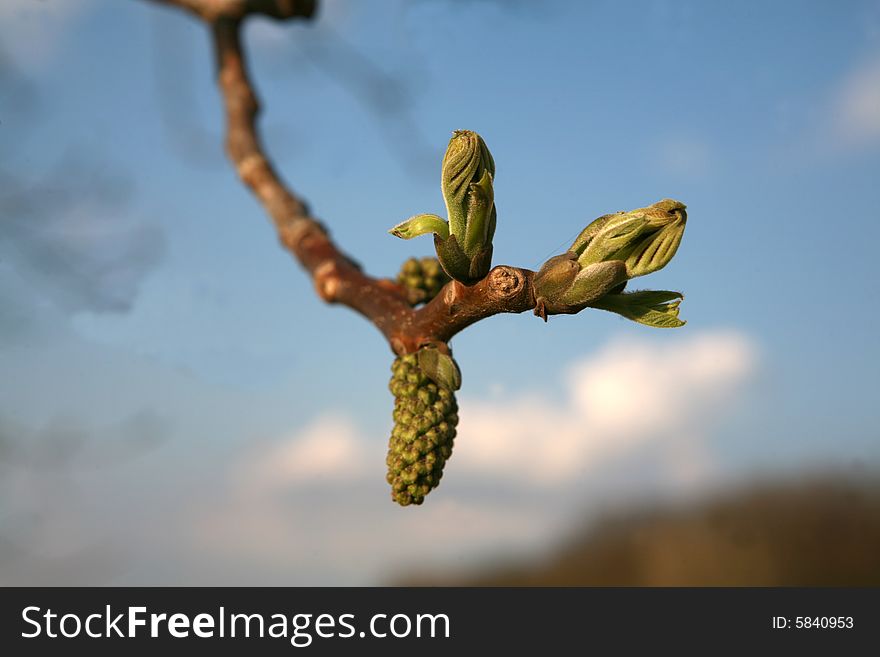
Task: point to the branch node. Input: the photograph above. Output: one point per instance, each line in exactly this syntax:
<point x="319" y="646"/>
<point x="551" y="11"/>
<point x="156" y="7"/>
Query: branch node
<point x="505" y="282"/>
<point x="327" y="283"/>
<point x="294" y="232"/>
<point x="450" y="296"/>
<point x="248" y="167"/>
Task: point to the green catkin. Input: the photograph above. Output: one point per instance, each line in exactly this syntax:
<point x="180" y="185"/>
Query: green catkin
<point x="423" y="278"/>
<point x="425" y="418"/>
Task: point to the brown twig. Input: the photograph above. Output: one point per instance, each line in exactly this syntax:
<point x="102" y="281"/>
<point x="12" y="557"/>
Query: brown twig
<point x="336" y="277"/>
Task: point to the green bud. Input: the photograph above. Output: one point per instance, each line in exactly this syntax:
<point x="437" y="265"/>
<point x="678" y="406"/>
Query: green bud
<point x="458" y="265"/>
<point x="464" y="243"/>
<point x="556" y="276"/>
<point x="645" y="239"/>
<point x="657" y="308"/>
<point x="605" y="255"/>
<point x="561" y="286"/>
<point x="467" y="183"/>
<point x="465" y="163"/>
<point x="592" y="282"/>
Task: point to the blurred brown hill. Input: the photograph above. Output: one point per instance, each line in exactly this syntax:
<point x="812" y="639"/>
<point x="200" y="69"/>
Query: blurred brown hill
<point x="821" y="532"/>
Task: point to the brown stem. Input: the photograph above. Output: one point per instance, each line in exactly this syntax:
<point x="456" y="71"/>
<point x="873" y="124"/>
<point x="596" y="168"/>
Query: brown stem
<point x="337" y="278"/>
<point x="504" y="290"/>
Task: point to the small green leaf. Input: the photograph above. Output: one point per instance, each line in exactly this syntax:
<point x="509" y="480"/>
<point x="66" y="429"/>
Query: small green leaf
<point x="440" y="368"/>
<point x="657" y="308"/>
<point x="421" y="224"/>
<point x="481" y="199"/>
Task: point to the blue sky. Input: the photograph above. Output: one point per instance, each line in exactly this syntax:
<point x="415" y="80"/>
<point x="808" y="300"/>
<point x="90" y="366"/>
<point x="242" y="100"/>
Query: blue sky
<point x="175" y="394"/>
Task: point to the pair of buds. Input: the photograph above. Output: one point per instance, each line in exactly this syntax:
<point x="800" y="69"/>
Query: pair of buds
<point x="593" y="272"/>
<point x="607" y="253"/>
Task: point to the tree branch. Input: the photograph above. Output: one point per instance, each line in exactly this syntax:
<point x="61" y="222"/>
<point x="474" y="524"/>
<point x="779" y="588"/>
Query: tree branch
<point x="504" y="290"/>
<point x="337" y="278"/>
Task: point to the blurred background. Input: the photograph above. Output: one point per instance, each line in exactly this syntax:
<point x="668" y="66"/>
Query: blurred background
<point x="178" y="407"/>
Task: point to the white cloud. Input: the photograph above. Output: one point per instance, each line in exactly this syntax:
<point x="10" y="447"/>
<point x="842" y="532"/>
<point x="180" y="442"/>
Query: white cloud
<point x="843" y="121"/>
<point x="631" y="392"/>
<point x="628" y="394"/>
<point x="315" y="506"/>
<point x="328" y="449"/>
<point x="857" y="104"/>
<point x="315" y="503"/>
<point x="312" y="506"/>
<point x="356" y="539"/>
